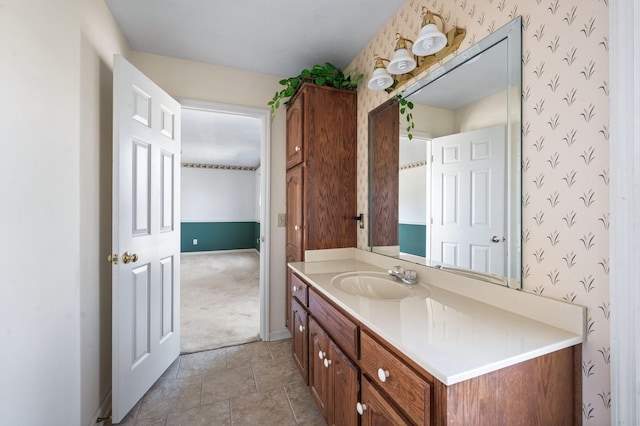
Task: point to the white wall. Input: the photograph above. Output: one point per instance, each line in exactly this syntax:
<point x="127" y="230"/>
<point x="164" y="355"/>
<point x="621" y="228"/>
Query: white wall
<point x="100" y="40"/>
<point x="486" y="112"/>
<point x="214" y="195"/>
<point x="40" y="193"/>
<point x="413" y="196"/>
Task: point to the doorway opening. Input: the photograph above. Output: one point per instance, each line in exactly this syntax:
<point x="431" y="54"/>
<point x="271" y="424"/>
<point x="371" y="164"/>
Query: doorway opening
<point x="224" y="225"/>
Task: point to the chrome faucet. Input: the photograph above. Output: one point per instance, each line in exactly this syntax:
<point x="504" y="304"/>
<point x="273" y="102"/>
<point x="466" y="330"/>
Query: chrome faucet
<point x="408" y="277"/>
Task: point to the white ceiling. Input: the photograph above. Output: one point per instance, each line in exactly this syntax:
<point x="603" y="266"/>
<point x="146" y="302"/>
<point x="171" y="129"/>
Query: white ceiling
<point x="210" y="137"/>
<point x="276" y="37"/>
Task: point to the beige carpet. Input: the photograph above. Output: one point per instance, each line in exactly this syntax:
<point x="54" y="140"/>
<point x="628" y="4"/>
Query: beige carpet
<point x="219" y="300"/>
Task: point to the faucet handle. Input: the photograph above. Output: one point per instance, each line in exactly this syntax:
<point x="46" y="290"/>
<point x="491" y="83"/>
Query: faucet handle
<point x="398" y="270"/>
<point x="410" y="276"/>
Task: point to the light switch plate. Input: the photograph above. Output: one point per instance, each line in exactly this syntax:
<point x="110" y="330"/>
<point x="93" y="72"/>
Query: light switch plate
<point x="282" y="220"/>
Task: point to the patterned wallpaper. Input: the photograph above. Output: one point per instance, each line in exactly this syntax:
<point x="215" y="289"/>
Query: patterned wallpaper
<point x="565" y="153"/>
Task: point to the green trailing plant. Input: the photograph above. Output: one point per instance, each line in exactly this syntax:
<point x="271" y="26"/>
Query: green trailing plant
<point x="405" y="110"/>
<point x="322" y="75"/>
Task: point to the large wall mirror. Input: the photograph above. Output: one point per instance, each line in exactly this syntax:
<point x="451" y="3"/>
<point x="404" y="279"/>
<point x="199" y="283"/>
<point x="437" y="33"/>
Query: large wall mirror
<point x="450" y="197"/>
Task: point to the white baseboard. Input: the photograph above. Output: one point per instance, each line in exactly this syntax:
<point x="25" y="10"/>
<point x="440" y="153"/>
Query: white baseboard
<point x="279" y="335"/>
<point x="104" y="410"/>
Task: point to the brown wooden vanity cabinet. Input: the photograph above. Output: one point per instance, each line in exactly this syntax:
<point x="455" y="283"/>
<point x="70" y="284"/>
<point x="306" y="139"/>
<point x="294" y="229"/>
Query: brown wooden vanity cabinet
<point x="333" y="378"/>
<point x="375" y="409"/>
<point x="300" y="339"/>
<point x="404" y="386"/>
<point x="321" y="173"/>
<point x="352" y="370"/>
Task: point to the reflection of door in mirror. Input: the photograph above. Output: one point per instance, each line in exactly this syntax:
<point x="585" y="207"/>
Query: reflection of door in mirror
<point x="468" y="226"/>
<point x="383" y="170"/>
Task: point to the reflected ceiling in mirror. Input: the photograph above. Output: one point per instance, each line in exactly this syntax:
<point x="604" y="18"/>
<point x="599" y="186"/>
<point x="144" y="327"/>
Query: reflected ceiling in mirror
<point x="451" y="196"/>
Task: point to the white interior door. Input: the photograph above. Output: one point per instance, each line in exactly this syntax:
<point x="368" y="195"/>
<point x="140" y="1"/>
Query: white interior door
<point x="468" y="227"/>
<point x="146" y="235"/>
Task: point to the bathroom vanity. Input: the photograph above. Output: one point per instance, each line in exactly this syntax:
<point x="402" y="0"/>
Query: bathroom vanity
<point x="447" y="350"/>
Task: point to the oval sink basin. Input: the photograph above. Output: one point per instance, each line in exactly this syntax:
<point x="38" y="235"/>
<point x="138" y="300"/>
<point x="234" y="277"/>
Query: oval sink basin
<point x="373" y="285"/>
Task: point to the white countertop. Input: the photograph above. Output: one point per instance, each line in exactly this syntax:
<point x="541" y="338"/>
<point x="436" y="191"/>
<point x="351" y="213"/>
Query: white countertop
<point x="453" y="337"/>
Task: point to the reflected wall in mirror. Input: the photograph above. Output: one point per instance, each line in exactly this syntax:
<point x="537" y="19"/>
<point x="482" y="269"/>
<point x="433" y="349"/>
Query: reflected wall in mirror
<point x="450" y="196"/>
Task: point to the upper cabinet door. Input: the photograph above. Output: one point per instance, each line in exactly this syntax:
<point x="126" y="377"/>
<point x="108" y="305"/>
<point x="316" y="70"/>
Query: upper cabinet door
<point x="295" y="132"/>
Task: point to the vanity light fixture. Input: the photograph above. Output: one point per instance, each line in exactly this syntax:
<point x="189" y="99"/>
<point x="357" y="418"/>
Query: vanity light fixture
<point x="381" y="78"/>
<point x="431" y="46"/>
<point x="402" y="62"/>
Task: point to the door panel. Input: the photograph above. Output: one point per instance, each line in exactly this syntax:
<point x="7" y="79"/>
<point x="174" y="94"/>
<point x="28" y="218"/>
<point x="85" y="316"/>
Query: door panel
<point x="468" y="200"/>
<point x="345" y="389"/>
<point x="146" y="239"/>
<point x="318" y="378"/>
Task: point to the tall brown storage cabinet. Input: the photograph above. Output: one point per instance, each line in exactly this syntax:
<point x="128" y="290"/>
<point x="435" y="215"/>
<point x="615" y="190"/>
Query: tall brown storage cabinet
<point x="321" y="172"/>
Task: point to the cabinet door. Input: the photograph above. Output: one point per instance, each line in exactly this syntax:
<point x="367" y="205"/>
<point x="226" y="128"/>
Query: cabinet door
<point x="295" y="131"/>
<point x="375" y="410"/>
<point x="318" y="377"/>
<point x="299" y="341"/>
<point x="295" y="223"/>
<point x="344" y="389"/>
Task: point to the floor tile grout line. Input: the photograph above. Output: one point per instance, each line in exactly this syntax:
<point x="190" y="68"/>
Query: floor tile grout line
<point x="286" y="394"/>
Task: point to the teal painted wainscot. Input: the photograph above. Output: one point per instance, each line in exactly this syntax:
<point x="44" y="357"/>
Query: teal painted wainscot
<point x="413" y="239"/>
<point x="214" y="236"/>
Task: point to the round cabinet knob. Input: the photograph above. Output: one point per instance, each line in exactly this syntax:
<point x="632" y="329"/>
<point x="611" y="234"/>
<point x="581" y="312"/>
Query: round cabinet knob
<point x="361" y="408"/>
<point x="294" y="288"/>
<point x="327" y="362"/>
<point x="297" y="227"/>
<point x="298" y="149"/>
<point x="383" y="374"/>
<point x="301" y="328"/>
<point x="321" y="354"/>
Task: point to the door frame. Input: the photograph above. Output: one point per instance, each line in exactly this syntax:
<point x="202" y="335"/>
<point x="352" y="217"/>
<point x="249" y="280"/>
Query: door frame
<point x="624" y="198"/>
<point x="264" y="115"/>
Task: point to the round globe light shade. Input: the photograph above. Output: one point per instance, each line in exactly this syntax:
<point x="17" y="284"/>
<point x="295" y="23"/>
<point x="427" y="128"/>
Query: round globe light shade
<point x="430" y="40"/>
<point x="380" y="80"/>
<point x="401" y="63"/>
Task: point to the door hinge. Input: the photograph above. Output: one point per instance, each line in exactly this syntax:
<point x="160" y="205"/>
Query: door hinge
<point x="113" y="258"/>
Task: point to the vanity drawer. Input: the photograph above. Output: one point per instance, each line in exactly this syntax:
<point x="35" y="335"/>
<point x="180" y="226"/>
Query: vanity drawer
<point x="342" y="330"/>
<point x="299" y="289"/>
<point x="408" y="390"/>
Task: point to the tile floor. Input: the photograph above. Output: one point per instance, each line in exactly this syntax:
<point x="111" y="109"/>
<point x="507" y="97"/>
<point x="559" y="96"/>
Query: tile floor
<point x="252" y="384"/>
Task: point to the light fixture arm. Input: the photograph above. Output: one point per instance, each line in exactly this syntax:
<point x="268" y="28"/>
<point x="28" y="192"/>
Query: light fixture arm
<point x="428" y="17"/>
<point x="401" y="42"/>
<point x="379" y="61"/>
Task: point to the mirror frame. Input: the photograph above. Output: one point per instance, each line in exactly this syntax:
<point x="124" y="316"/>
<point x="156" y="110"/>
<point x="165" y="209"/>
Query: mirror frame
<point x="512" y="34"/>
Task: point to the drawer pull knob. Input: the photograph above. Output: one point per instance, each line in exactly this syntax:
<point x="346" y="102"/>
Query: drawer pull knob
<point x="361" y="408"/>
<point x="301" y="328"/>
<point x="321" y="354"/>
<point x="327" y="362"/>
<point x="294" y="288"/>
<point x="383" y="374"/>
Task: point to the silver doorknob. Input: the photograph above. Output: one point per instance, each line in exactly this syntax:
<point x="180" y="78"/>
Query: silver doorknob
<point x="495" y="239"/>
